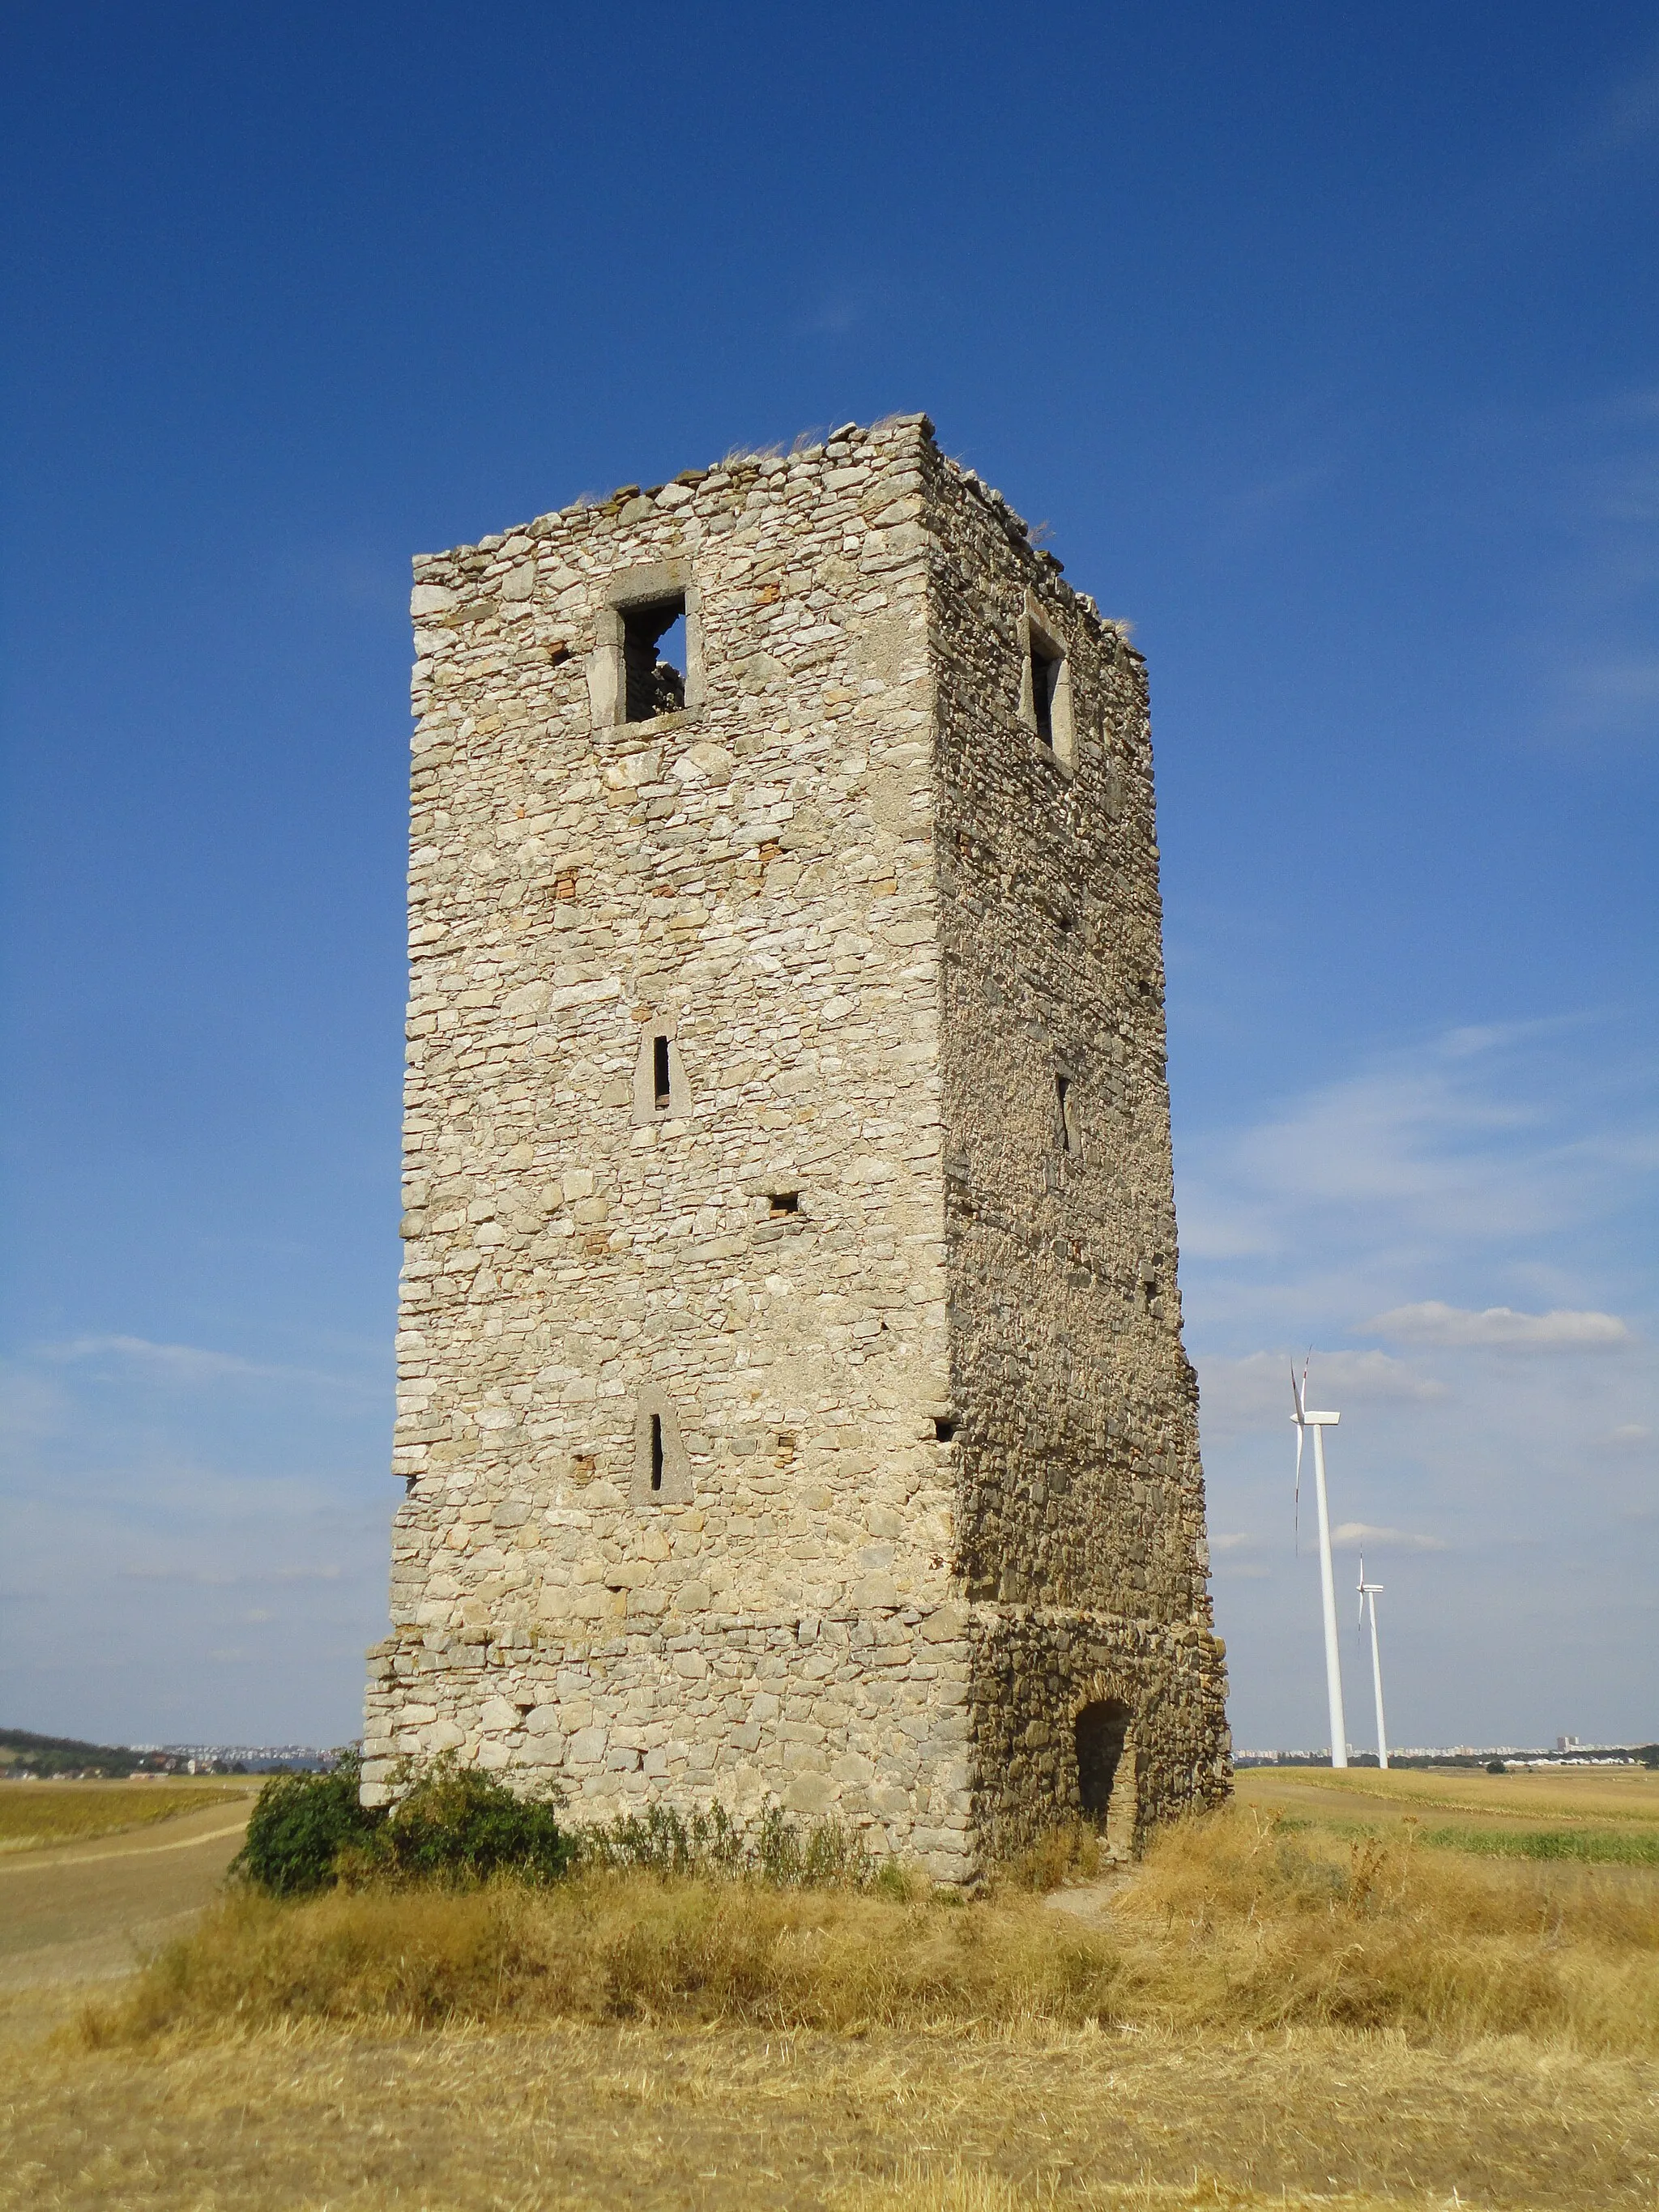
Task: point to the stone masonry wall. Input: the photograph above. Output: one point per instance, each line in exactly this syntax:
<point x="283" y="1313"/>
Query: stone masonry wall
<point x="927" y="1451"/>
<point x="755" y="874"/>
<point x="1081" y="1506"/>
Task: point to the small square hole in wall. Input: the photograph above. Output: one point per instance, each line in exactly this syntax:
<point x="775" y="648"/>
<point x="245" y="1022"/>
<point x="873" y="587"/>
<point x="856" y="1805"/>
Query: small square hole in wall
<point x="944" y="1430"/>
<point x="654" y="634"/>
<point x="784" y="1201"/>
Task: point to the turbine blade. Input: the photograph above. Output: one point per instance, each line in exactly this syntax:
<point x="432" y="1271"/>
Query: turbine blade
<point x="1296" y="1516"/>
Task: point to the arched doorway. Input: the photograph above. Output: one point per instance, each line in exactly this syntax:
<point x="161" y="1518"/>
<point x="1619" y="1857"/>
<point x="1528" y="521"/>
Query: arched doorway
<point x="1105" y="1777"/>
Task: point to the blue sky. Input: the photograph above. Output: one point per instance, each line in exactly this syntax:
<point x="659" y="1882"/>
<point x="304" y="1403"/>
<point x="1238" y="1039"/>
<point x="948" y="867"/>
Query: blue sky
<point x="1324" y="339"/>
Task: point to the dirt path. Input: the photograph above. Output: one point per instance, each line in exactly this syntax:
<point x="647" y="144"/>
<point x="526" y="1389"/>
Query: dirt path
<point x="79" y="1912"/>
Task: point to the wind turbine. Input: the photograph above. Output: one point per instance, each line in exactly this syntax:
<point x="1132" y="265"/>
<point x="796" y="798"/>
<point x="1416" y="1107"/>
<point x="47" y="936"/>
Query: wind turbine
<point x="1319" y="1423"/>
<point x="1369" y="1591"/>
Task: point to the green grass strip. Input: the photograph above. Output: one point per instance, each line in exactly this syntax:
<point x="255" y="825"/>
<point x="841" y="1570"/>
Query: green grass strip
<point x="1598" y="1849"/>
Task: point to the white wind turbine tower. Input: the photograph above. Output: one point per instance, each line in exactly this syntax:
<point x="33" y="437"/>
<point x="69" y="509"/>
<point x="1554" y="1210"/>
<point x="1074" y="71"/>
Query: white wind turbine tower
<point x="1319" y="1423"/>
<point x="1369" y="1591"/>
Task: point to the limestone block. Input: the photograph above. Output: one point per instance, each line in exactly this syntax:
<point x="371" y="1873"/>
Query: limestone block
<point x="810" y="1793"/>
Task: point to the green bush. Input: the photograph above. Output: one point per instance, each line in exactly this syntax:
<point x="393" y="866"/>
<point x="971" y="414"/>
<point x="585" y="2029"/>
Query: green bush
<point x="456" y="1825"/>
<point x="300" y="1824"/>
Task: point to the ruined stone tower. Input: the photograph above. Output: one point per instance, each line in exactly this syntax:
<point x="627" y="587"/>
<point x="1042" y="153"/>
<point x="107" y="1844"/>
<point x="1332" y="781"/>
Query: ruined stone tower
<point x="792" y="1398"/>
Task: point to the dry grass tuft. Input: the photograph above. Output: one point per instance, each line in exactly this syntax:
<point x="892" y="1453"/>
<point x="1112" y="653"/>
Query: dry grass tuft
<point x="1069" y="1852"/>
<point x="607" y="1946"/>
<point x="1236" y="1923"/>
<point x="1232" y="1924"/>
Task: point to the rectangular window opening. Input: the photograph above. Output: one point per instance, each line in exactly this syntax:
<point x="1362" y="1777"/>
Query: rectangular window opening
<point x="662" y="1088"/>
<point x="1045" y="680"/>
<point x="785" y="1201"/>
<point x="944" y="1430"/>
<point x="653" y="658"/>
<point x="656" y="1451"/>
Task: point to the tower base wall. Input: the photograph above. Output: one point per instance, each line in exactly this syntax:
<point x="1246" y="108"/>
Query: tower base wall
<point x="946" y="1736"/>
<point x="1037" y="1671"/>
<point x="857" y="1716"/>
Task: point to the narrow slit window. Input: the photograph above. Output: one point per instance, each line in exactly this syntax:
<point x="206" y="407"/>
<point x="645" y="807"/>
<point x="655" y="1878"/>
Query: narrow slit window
<point x="1066" y="1126"/>
<point x="1045" y="682"/>
<point x="655" y="683"/>
<point x="662" y="1087"/>
<point x="656" y="1451"/>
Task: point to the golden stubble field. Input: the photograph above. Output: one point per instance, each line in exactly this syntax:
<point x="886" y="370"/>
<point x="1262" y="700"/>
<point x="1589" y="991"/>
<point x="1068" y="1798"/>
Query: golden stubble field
<point x="1584" y="1797"/>
<point x="1261" y="2013"/>
<point x="33" y="1814"/>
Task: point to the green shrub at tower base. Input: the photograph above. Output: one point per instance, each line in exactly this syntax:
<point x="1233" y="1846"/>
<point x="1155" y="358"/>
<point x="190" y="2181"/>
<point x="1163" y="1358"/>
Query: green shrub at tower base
<point x="450" y="1823"/>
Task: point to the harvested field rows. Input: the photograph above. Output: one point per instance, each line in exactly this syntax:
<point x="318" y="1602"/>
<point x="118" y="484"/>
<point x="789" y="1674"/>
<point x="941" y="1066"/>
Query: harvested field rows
<point x="579" y="2116"/>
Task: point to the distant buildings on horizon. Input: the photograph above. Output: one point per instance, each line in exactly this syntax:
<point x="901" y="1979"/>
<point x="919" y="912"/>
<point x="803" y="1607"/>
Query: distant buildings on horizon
<point x="1568" y="1751"/>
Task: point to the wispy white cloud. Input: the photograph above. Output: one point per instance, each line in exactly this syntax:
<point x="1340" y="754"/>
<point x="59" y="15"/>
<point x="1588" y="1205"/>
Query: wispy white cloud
<point x="1466" y="1143"/>
<point x="1444" y="1139"/>
<point x="184" y="1362"/>
<point x="1366" y="1536"/>
<point x="1433" y="1323"/>
<point x="832" y="316"/>
<point x="1485" y="1197"/>
<point x="222" y="1578"/>
<point x="185" y="1366"/>
<point x="160" y="1497"/>
<point x="1617" y="696"/>
<point x="1631" y="114"/>
<point x="1254" y="1392"/>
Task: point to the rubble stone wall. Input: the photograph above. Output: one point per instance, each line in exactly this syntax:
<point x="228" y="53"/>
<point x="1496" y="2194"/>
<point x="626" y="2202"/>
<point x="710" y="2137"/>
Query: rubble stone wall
<point x="1081" y="1496"/>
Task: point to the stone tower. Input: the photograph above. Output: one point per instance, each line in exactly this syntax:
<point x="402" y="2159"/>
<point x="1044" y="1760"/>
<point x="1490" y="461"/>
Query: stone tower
<point x="792" y="1399"/>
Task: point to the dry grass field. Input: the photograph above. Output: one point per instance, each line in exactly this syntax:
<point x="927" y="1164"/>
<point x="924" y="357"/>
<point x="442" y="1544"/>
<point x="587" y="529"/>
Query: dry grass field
<point x="1273" y="2008"/>
<point x="472" y="2119"/>
<point x="36" y="1813"/>
<point x="1575" y="1797"/>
